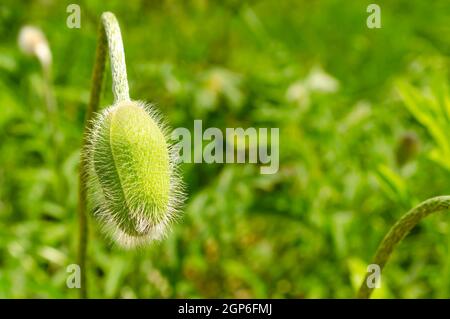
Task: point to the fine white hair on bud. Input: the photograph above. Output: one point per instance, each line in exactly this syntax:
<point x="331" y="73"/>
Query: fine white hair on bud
<point x="32" y="41"/>
<point x="134" y="187"/>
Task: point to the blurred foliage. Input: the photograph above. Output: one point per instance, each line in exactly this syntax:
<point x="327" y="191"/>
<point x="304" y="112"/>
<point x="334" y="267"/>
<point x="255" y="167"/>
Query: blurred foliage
<point x="347" y="100"/>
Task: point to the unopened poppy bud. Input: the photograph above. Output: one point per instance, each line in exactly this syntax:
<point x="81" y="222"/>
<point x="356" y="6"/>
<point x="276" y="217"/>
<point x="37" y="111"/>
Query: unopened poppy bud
<point x="132" y="178"/>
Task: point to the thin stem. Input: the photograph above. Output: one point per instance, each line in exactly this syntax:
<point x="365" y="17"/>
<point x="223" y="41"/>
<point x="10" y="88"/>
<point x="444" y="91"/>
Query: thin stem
<point x="48" y="90"/>
<point x="117" y="57"/>
<point x="401" y="228"/>
<point x="108" y="36"/>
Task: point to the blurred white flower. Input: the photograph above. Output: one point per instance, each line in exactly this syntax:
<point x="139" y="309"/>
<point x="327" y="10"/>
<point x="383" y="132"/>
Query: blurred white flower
<point x="319" y="80"/>
<point x="219" y="83"/>
<point x="298" y="92"/>
<point x="32" y="41"/>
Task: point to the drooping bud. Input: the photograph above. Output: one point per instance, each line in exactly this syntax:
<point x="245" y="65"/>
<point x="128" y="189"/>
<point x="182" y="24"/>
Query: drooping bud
<point x="32" y="41"/>
<point x="132" y="178"/>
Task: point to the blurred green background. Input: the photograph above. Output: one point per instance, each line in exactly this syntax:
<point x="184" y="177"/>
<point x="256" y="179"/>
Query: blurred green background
<point x="364" y="118"/>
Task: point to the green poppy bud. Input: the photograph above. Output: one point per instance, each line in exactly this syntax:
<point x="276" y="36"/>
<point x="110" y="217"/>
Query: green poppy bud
<point x="133" y="183"/>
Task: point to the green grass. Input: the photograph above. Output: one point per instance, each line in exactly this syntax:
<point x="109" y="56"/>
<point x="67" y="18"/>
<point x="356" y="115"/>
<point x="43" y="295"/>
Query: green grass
<point x="308" y="231"/>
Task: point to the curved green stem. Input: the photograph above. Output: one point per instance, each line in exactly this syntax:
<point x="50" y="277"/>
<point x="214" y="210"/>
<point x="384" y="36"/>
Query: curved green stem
<point x="401" y="228"/>
<point x="108" y="37"/>
<point x="117" y="57"/>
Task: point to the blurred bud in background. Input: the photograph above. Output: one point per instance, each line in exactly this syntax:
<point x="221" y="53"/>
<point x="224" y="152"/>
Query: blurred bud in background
<point x="407" y="148"/>
<point x="32" y="41"/>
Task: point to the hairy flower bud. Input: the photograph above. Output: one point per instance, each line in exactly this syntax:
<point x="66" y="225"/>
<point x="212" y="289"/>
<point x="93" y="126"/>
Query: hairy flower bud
<point x="132" y="179"/>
